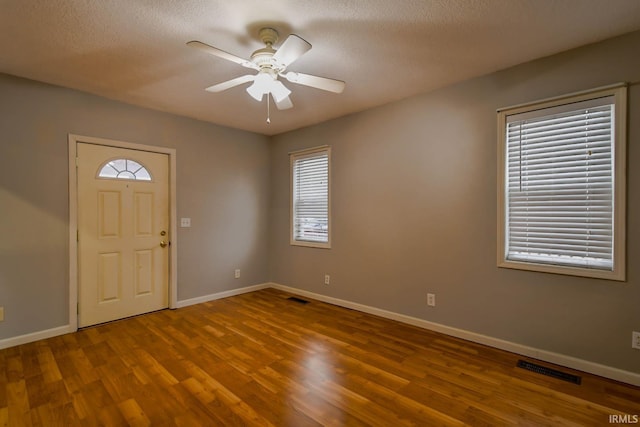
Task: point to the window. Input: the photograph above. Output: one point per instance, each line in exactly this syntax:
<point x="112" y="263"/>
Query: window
<point x="124" y="169"/>
<point x="561" y="199"/>
<point x="310" y="202"/>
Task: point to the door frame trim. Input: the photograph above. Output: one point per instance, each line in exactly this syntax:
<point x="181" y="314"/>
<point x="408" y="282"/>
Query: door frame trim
<point x="74" y="140"/>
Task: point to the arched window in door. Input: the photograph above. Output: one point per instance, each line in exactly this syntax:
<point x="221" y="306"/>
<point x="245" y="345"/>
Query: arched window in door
<point x="124" y="169"/>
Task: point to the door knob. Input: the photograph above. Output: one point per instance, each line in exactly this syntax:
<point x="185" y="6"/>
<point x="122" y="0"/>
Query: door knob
<point x="163" y="244"/>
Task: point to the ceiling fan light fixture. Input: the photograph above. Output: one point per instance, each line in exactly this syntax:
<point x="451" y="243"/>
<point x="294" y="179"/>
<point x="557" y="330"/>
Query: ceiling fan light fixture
<point x="255" y="92"/>
<point x="267" y="82"/>
<point x="261" y="85"/>
<point x="279" y="91"/>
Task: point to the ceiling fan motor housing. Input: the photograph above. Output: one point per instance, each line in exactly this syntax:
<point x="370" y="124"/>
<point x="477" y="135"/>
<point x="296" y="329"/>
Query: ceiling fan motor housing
<point x="263" y="58"/>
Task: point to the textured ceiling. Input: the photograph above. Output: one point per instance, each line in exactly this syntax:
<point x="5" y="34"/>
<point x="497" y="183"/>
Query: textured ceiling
<point x="385" y="50"/>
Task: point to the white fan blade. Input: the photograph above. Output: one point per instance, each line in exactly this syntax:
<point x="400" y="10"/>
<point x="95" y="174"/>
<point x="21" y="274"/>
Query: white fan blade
<point x="222" y="54"/>
<point x="230" y="83"/>
<point x="284" y="104"/>
<point x="331" y="85"/>
<point x="292" y="48"/>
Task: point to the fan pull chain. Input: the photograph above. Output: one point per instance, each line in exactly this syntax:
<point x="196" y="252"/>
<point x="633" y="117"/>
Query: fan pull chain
<point x="268" y="112"/>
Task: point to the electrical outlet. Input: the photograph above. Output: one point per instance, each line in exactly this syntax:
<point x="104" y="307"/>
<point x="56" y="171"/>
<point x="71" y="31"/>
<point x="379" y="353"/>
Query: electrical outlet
<point x="237" y="273"/>
<point x="1" y="314"/>
<point x="635" y="340"/>
<point x="431" y="300"/>
<point x="185" y="222"/>
<point x="327" y="279"/>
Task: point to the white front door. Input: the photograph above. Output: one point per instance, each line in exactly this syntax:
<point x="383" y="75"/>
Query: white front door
<point x="123" y="226"/>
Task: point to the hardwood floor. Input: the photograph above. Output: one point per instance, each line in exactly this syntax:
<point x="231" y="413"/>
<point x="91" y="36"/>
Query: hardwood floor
<point x="260" y="359"/>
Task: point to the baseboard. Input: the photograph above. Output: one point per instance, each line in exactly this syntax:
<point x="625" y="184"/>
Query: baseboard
<point x="49" y="333"/>
<point x="547" y="356"/>
<point x="35" y="336"/>
<point x="219" y="295"/>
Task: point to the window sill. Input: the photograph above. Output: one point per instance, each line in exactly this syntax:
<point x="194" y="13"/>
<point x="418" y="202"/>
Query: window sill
<point x="318" y="245"/>
<point x="616" y="274"/>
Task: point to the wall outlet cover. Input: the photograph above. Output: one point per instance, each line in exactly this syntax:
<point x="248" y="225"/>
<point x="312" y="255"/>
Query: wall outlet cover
<point x="635" y="340"/>
<point x="431" y="300"/>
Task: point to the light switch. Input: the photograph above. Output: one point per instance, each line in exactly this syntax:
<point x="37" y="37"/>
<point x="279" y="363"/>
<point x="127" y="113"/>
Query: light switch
<point x="185" y="222"/>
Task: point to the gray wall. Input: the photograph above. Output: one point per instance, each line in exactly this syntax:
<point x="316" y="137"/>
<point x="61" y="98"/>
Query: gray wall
<point x="414" y="211"/>
<point x="223" y="180"/>
<point x="414" y="207"/>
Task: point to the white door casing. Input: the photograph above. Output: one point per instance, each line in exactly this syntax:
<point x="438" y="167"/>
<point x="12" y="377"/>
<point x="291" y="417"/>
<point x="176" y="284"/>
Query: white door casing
<point x="122" y="269"/>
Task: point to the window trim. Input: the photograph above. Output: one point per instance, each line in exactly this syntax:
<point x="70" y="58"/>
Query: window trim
<point x="619" y="93"/>
<point x="293" y="156"/>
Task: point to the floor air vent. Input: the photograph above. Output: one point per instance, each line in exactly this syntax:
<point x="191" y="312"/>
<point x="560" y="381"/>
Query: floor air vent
<point x="298" y="300"/>
<point x="549" y="372"/>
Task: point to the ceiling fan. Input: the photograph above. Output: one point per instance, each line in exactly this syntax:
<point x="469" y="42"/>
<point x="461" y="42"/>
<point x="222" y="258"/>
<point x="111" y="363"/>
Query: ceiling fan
<point x="271" y="64"/>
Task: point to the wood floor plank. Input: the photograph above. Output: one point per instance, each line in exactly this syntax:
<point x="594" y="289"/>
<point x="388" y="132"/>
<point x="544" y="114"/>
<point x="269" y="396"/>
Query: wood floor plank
<point x="259" y="359"/>
<point x="132" y="412"/>
<point x="18" y="403"/>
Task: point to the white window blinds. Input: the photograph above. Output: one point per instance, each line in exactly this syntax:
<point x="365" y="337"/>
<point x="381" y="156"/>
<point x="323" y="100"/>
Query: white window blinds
<point x="310" y="196"/>
<point x="559" y="185"/>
